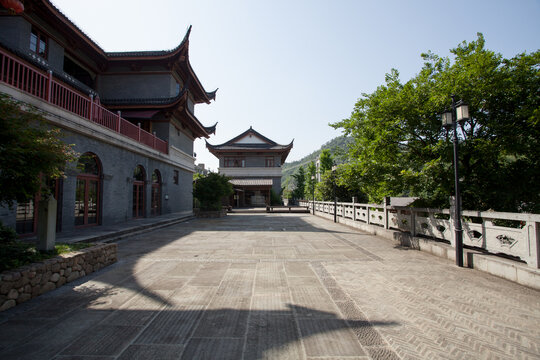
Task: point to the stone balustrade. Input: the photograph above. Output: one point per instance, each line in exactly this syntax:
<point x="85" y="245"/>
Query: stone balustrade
<point x="516" y="235"/>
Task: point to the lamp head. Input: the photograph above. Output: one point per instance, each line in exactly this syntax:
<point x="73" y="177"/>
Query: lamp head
<point x="462" y="111"/>
<point x="446" y="119"/>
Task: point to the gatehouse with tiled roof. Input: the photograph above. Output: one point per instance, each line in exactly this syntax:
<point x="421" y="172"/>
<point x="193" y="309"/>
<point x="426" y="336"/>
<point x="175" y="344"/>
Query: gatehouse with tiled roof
<point x="253" y="162"/>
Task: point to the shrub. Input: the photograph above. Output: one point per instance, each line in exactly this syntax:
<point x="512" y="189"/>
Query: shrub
<point x="210" y="189"/>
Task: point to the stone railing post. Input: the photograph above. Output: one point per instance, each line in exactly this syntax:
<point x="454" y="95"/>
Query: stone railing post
<point x="354" y="208"/>
<point x="413" y="223"/>
<point x="533" y="235"/>
<point x="368" y="214"/>
<point x="47" y="223"/>
<point x="452" y="220"/>
<point x="386" y="209"/>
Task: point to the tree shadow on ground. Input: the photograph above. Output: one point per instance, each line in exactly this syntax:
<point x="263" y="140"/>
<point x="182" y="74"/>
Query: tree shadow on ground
<point x="117" y="312"/>
<point x="185" y="332"/>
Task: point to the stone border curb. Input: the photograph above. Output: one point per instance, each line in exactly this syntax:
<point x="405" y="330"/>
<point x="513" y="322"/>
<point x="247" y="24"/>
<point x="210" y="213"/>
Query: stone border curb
<point x="29" y="281"/>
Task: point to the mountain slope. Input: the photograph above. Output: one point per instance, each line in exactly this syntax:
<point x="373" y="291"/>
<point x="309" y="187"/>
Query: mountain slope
<point x="338" y="148"/>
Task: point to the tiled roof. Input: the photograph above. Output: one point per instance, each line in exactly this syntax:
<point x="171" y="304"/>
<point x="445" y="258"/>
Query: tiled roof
<point x="251" y="182"/>
<point x="150" y="53"/>
<point x="251" y="146"/>
<point x="143" y="101"/>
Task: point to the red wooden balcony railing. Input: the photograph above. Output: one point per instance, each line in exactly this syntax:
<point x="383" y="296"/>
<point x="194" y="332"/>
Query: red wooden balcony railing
<point x="21" y="75"/>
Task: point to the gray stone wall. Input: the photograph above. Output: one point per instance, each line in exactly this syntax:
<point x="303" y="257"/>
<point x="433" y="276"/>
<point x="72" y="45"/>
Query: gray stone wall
<point x="55" y="56"/>
<point x="252" y="160"/>
<point x="135" y="86"/>
<point x="180" y="140"/>
<point x="255" y="161"/>
<point x="27" y="282"/>
<point x="162" y="130"/>
<point x="116" y="199"/>
<point x="276" y="185"/>
<point x="15" y="32"/>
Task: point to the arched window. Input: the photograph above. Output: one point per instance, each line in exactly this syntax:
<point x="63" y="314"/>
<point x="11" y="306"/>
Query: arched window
<point x="139" y="175"/>
<point x="87" y="190"/>
<point x="156" y="193"/>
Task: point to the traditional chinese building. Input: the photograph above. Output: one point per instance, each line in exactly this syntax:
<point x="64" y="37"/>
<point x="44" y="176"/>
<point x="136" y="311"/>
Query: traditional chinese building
<point x="131" y="116"/>
<point x="254" y="164"/>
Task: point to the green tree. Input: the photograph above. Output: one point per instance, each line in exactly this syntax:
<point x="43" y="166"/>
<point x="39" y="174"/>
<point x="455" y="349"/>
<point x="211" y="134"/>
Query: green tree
<point x="345" y="186"/>
<point x="326" y="161"/>
<point x="30" y="153"/>
<point x="210" y="189"/>
<point x="310" y="180"/>
<point x="300" y="180"/>
<point x="401" y="147"/>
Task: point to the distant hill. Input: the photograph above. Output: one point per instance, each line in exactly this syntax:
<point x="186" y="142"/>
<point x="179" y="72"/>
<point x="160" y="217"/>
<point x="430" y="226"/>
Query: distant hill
<point x="337" y="146"/>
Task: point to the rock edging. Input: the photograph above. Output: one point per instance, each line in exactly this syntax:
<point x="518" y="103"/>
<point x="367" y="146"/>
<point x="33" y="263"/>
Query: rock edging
<point x="27" y="282"/>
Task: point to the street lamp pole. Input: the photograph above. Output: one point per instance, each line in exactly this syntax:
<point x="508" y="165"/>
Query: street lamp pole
<point x="335" y="196"/>
<point x="313" y="189"/>
<point x="460" y="112"/>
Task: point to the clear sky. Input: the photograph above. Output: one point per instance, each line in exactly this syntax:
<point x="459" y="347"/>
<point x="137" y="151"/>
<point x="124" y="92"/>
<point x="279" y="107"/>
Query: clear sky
<point x="290" y="67"/>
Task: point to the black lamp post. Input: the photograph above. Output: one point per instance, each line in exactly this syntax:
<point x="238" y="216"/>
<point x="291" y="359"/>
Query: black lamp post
<point x="334" y="168"/>
<point x="459" y="113"/>
<point x="313" y="189"/>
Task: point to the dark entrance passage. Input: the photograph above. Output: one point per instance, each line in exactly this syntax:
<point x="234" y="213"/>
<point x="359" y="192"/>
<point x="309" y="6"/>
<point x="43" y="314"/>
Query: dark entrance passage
<point x="138" y="192"/>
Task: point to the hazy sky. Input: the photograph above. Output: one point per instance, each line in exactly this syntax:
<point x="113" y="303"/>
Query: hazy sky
<point x="288" y="68"/>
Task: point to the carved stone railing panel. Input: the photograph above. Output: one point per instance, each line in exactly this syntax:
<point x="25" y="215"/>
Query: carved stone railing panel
<point x="519" y="237"/>
<point x="376" y="216"/>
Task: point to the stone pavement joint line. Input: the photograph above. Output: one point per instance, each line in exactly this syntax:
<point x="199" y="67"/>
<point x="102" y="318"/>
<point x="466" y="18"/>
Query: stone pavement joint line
<point x="275" y="286"/>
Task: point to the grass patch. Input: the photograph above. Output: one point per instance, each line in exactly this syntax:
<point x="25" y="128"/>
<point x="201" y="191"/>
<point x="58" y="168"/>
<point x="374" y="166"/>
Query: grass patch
<point x="14" y="254"/>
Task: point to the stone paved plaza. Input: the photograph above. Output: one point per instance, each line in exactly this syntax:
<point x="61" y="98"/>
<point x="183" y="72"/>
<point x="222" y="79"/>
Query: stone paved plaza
<point x="269" y="286"/>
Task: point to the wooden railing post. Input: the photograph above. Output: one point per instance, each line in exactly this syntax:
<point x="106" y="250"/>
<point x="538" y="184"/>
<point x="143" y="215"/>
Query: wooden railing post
<point x="119" y="121"/>
<point x="49" y="85"/>
<point x="91" y="109"/>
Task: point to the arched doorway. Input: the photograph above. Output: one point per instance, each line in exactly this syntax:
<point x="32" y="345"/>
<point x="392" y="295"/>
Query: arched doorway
<point x="87" y="190"/>
<point x="139" y="175"/>
<point x="156" y="193"/>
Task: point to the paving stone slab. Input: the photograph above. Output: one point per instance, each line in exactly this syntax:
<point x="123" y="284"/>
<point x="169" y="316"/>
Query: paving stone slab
<point x="171" y="326"/>
<point x="271" y="336"/>
<point x="152" y="352"/>
<point x="214" y="349"/>
<point x="275" y="286"/>
<point x="46" y="345"/>
<point x="103" y="340"/>
<point x="328" y="337"/>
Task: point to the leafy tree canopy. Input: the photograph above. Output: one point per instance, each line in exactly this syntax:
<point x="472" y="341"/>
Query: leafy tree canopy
<point x="401" y="147"/>
<point x="327" y="161"/>
<point x="300" y="181"/>
<point x="210" y="189"/>
<point x="29" y="151"/>
<point x="345" y="186"/>
<point x="310" y="180"/>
